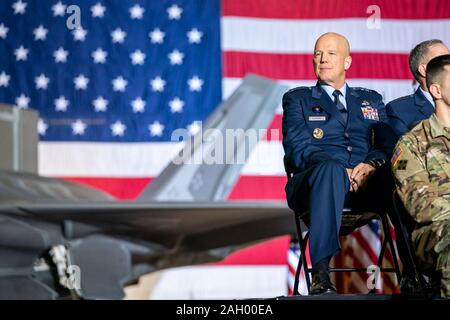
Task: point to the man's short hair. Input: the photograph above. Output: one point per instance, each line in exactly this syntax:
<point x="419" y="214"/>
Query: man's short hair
<point x="435" y="67"/>
<point x="417" y="54"/>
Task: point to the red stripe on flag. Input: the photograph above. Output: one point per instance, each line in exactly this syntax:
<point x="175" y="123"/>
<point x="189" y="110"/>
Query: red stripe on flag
<point x="299" y="66"/>
<point x="271" y="252"/>
<point x="352" y="288"/>
<point x="365" y="245"/>
<point x="388" y="285"/>
<point x="120" y="188"/>
<point x="259" y="188"/>
<point x="335" y="9"/>
<point x="274" y="132"/>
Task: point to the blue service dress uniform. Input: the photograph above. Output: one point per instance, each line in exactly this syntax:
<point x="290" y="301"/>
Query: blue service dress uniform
<point x="406" y="112"/>
<point x="320" y="145"/>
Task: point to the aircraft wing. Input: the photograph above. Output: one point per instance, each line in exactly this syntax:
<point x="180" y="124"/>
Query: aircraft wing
<point x="58" y="237"/>
<point x="113" y="243"/>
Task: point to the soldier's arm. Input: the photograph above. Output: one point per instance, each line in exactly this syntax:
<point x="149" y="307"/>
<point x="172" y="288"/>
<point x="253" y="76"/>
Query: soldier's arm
<point x="417" y="193"/>
<point x="296" y="137"/>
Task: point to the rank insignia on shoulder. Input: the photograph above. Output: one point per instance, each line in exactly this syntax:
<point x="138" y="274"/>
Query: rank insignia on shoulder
<point x="396" y="156"/>
<point x="318" y="133"/>
<point x="317" y="109"/>
<point x="402" y="164"/>
<point x="370" y="113"/>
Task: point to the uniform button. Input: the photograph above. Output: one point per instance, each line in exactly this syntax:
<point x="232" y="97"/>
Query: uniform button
<point x="346" y="135"/>
<point x="349" y="148"/>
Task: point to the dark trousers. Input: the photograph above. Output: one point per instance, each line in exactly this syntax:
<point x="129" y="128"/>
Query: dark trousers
<point x="323" y="190"/>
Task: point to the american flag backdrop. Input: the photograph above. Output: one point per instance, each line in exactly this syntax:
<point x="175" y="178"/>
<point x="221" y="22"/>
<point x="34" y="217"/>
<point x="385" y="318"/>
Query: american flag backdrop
<point x="111" y="91"/>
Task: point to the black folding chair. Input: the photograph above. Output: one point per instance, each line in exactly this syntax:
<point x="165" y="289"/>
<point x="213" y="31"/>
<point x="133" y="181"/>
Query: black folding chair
<point x="352" y="218"/>
<point x="419" y="285"/>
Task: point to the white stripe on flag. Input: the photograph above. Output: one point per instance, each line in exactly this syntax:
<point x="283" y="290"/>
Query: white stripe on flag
<point x="221" y="282"/>
<point x="389" y="89"/>
<point x="138" y="160"/>
<point x="84" y="159"/>
<point x="299" y="36"/>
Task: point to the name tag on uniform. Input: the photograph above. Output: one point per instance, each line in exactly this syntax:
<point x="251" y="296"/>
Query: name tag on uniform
<point x="317" y="118"/>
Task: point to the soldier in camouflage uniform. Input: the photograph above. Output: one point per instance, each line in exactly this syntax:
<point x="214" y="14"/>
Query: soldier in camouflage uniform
<point x="421" y="165"/>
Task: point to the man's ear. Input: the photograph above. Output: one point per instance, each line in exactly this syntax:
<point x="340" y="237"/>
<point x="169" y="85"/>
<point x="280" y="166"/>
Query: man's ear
<point x="347" y="63"/>
<point x="422" y="70"/>
<point x="435" y="91"/>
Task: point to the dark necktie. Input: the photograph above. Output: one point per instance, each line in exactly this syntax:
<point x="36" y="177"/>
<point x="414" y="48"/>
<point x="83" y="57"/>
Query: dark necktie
<point x="340" y="105"/>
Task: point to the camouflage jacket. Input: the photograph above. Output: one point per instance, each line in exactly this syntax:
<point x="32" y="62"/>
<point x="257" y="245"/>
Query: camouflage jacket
<point x="421" y="165"/>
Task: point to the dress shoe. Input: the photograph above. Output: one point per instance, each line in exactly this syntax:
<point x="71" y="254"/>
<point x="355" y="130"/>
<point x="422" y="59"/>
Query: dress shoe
<point x="321" y="284"/>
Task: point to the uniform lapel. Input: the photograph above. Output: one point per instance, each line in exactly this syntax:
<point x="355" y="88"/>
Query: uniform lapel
<point x="422" y="103"/>
<point x="326" y="103"/>
<point x="352" y="104"/>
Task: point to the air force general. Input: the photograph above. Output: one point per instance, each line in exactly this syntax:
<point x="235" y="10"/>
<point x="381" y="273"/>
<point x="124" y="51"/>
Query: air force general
<point x="328" y="137"/>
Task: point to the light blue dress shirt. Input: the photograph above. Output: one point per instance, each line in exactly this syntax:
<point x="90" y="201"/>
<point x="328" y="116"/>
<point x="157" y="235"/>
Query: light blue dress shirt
<point x="428" y="96"/>
<point x="329" y="90"/>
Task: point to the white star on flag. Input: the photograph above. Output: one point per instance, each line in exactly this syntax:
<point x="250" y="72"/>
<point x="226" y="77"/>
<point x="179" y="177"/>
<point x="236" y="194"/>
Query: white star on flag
<point x="118" y="128"/>
<point x="138" y="105"/>
<point x="79" y="34"/>
<point x="40" y="33"/>
<point x="194" y="127"/>
<point x="176" y="105"/>
<point x="156" y="36"/>
<point x="42" y="82"/>
<point x="174" y="12"/>
<point x="61" y="104"/>
<point x="137" y="57"/>
<point x="176" y="57"/>
<point x="137" y="12"/>
<point x="19" y="7"/>
<point x="78" y="127"/>
<point x="59" y="9"/>
<point x="99" y="56"/>
<point x="100" y="104"/>
<point x="98" y="11"/>
<point x="42" y="127"/>
<point x="81" y="82"/>
<point x="194" y="36"/>
<point x="156" y="129"/>
<point x="118" y="35"/>
<point x="60" y="55"/>
<point x="158" y="84"/>
<point x="3" y="31"/>
<point x="195" y="84"/>
<point x="4" y="79"/>
<point x="22" y="101"/>
<point x="119" y="84"/>
<point x="21" y="54"/>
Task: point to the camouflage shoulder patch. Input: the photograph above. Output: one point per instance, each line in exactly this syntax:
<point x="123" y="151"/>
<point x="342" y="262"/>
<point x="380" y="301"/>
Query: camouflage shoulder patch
<point x="396" y="156"/>
<point x="402" y="164"/>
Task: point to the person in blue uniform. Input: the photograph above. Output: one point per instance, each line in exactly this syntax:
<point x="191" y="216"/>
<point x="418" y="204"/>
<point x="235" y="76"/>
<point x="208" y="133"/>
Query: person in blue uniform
<point x="406" y="112"/>
<point x="328" y="138"/>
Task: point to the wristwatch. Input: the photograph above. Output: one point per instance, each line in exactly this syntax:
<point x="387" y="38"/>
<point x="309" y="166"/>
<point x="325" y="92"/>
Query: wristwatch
<point x="376" y="163"/>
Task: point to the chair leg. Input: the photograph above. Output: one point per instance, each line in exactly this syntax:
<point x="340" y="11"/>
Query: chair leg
<point x="302" y="260"/>
<point x="388" y="237"/>
<point x="299" y="264"/>
<point x="305" y="262"/>
<point x="411" y="258"/>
